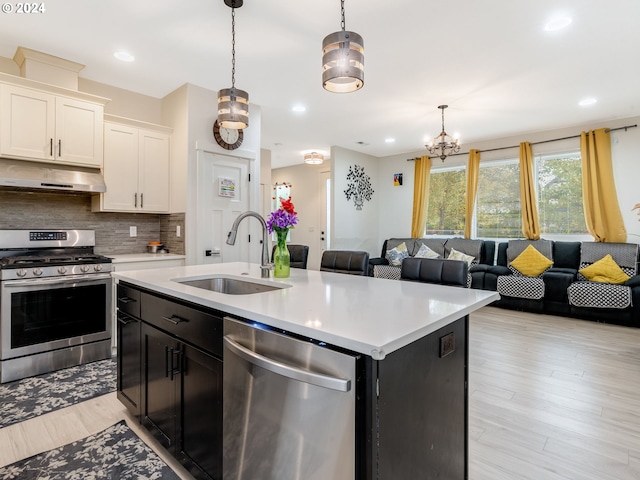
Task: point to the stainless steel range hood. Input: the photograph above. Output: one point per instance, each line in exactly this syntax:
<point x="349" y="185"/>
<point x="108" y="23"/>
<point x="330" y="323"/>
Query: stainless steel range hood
<point x="26" y="174"/>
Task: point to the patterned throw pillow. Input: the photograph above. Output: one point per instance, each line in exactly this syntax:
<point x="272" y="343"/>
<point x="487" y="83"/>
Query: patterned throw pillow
<point x="456" y="255"/>
<point x="605" y="270"/>
<point x="425" y="252"/>
<point x="397" y="254"/>
<point x="531" y="263"/>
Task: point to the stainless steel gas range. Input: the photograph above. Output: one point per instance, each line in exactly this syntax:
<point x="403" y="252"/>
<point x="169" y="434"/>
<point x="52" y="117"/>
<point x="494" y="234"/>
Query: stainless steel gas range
<point x="55" y="301"/>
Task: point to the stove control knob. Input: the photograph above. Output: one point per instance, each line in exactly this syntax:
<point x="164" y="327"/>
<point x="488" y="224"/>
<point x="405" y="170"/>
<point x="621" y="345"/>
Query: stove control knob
<point x="21" y="273"/>
<point x="37" y="272"/>
<point x="62" y="270"/>
<point x="84" y="268"/>
<point x="97" y="267"/>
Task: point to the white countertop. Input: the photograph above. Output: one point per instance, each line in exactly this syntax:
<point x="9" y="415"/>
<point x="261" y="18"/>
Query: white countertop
<point x="373" y="316"/>
<point x="143" y="257"/>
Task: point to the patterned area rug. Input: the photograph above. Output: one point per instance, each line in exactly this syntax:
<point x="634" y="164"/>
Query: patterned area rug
<point x="116" y="452"/>
<point x="30" y="397"/>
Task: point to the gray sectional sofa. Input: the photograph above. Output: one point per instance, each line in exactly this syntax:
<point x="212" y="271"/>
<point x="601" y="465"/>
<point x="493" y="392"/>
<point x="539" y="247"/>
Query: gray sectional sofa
<point x="482" y="251"/>
<point x="562" y="289"/>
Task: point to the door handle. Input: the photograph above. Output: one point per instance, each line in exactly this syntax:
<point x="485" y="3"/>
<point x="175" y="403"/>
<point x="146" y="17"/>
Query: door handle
<point x="288" y="371"/>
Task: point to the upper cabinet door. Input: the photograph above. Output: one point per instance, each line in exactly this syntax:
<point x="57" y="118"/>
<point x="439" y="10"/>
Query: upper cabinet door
<point x="153" y="171"/>
<point x="79" y="127"/>
<point x="120" y="168"/>
<point x="40" y="126"/>
<point x="27" y="123"/>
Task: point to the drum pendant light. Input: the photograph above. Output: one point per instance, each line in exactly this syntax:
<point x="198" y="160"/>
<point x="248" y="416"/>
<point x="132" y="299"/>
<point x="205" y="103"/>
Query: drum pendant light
<point x="233" y="103"/>
<point x="343" y="60"/>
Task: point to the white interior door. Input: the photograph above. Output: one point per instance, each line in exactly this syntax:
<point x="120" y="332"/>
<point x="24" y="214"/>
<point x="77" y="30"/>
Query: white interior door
<point x="223" y="193"/>
<point x="323" y="235"/>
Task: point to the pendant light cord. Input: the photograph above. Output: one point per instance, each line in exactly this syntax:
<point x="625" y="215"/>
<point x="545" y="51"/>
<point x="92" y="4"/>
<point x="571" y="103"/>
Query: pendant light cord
<point x="342" y="24"/>
<point x="233" y="46"/>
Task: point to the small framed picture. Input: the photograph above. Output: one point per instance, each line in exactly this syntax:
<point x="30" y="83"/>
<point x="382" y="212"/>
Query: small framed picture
<point x="397" y="179"/>
<point x="226" y="187"/>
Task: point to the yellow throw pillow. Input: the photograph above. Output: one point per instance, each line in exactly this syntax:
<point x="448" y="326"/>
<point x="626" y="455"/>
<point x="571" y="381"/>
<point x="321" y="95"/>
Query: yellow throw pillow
<point x="605" y="270"/>
<point x="531" y="263"/>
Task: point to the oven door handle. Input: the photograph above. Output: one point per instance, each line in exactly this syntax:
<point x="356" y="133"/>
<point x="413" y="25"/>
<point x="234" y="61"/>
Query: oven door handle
<point x="55" y="280"/>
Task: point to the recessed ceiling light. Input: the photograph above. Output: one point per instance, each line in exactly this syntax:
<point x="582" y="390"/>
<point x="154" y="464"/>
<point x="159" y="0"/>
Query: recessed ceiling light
<point x="389" y="140"/>
<point x="299" y="108"/>
<point x="124" y="56"/>
<point x="557" y="23"/>
<point x="586" y="102"/>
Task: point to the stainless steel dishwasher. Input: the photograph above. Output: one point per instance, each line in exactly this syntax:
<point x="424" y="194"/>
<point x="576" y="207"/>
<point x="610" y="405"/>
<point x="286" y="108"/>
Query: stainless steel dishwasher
<point x="289" y="407"/>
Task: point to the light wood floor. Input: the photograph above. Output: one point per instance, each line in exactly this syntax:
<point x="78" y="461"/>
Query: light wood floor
<point x="551" y="398"/>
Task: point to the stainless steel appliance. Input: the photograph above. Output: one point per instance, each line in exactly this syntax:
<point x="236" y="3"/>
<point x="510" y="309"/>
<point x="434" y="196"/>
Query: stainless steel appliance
<point x="289" y="407"/>
<point x="55" y="301"/>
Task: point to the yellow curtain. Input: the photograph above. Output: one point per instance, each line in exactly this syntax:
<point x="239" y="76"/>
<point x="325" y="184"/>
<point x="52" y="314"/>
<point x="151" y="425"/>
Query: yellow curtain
<point x="601" y="208"/>
<point x="530" y="222"/>
<point x="473" y="167"/>
<point x="422" y="171"/>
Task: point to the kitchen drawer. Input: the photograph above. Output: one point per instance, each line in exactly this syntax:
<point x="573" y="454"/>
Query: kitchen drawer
<point x="200" y="329"/>
<point x="128" y="300"/>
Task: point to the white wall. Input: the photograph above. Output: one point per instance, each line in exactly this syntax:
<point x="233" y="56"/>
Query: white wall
<point x="191" y="110"/>
<point x="355" y="229"/>
<point x="306" y="193"/>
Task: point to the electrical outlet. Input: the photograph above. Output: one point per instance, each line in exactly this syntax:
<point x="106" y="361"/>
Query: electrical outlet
<point x="133" y="231"/>
<point x="447" y="344"/>
<point x="177" y="230"/>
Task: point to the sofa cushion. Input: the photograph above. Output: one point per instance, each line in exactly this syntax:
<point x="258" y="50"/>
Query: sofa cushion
<point x="435" y="244"/>
<point x="397" y="254"/>
<point x="467" y="246"/>
<point x="531" y="263"/>
<point x="426" y="252"/>
<point x="387" y="271"/>
<point x="599" y="295"/>
<point x="456" y="255"/>
<point x="605" y="270"/>
<point x="516" y="247"/>
<point x="521" y="287"/>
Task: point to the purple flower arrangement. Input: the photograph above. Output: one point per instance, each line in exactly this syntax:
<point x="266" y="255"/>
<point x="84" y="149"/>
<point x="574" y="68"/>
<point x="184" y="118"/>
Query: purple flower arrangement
<point x="283" y="218"/>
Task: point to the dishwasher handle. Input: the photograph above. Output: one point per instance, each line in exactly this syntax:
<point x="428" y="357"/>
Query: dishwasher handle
<point x="318" y="379"/>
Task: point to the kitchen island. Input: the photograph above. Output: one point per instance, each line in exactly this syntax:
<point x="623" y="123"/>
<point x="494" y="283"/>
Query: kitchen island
<point x="408" y="341"/>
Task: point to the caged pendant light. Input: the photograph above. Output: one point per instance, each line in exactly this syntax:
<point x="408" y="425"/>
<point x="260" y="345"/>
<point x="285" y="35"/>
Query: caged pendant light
<point x="233" y="103"/>
<point x="443" y="144"/>
<point x="343" y="60"/>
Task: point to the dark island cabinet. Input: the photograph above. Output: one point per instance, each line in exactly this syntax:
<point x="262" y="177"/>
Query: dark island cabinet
<point x="411" y="407"/>
<point x="129" y="362"/>
<point x="179" y="355"/>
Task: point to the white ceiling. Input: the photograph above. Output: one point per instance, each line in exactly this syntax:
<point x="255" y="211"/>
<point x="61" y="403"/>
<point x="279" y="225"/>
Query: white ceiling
<point x="491" y="61"/>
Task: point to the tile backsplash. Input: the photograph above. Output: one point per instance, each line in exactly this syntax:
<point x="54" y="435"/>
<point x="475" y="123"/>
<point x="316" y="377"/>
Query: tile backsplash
<point x="26" y="209"/>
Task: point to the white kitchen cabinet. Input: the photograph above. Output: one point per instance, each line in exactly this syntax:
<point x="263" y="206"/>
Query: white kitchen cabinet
<point x="136" y="168"/>
<point x="42" y="126"/>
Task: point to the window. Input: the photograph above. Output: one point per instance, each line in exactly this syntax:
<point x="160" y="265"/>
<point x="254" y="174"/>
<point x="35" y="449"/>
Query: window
<point x="498" y="213"/>
<point x="445" y="213"/>
<point x="559" y="183"/>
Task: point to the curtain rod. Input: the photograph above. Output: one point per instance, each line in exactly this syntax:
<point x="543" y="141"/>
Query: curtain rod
<point x="625" y="128"/>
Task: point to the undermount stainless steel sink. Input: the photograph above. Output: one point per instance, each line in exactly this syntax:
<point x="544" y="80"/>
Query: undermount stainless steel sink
<point x="230" y="286"/>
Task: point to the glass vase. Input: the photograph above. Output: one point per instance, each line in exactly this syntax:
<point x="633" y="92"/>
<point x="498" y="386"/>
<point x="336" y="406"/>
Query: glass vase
<point x="281" y="257"/>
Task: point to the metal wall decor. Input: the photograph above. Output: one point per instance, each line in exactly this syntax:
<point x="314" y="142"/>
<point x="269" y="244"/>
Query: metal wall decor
<point x="233" y="103"/>
<point x="358" y="186"/>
